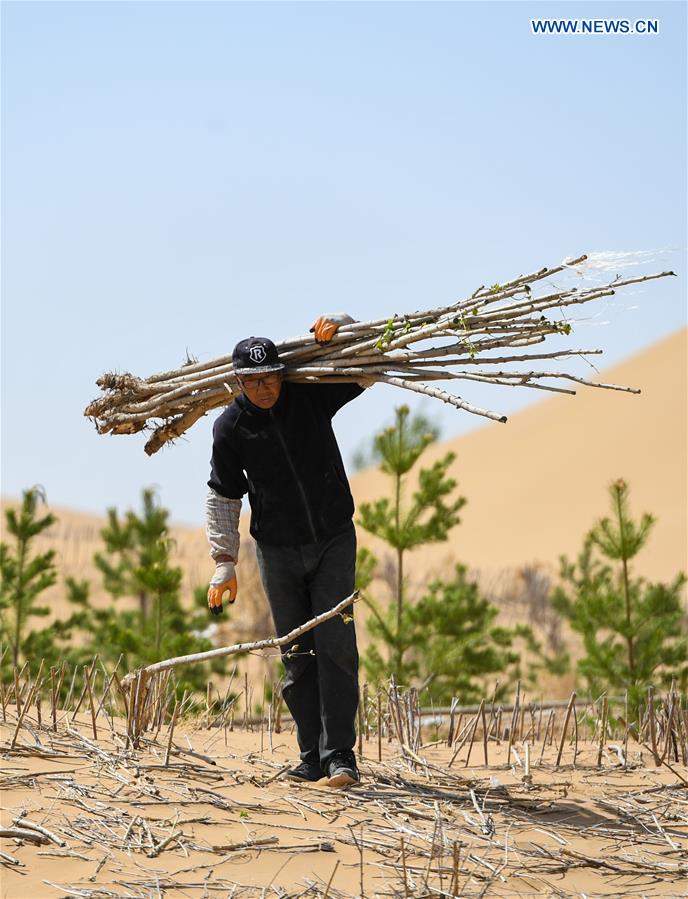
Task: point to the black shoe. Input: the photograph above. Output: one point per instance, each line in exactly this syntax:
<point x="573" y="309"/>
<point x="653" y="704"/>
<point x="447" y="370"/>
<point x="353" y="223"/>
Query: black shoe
<point x="342" y="770"/>
<point x="306" y="771"/>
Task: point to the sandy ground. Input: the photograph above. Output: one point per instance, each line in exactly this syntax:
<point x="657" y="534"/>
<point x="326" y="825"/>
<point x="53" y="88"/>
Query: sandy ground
<point x="239" y="828"/>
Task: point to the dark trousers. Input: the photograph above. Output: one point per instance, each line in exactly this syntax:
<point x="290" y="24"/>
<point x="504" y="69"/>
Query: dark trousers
<point x="321" y="682"/>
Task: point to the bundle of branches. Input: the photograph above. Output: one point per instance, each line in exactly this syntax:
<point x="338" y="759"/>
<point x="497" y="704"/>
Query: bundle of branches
<point x="475" y="339"/>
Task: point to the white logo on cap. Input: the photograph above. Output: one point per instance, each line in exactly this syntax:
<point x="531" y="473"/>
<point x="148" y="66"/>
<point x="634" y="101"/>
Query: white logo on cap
<point x="258" y="354"/>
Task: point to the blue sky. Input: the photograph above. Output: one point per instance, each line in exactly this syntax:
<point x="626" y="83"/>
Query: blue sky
<point x="179" y="175"/>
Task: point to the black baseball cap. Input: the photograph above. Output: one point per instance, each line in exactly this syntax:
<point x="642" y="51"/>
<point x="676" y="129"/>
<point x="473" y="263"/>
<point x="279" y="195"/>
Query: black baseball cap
<point x="254" y="355"/>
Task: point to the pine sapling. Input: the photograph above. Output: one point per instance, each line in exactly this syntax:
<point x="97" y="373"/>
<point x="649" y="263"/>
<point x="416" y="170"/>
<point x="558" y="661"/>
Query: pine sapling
<point x="633" y="631"/>
<point x="427" y="517"/>
<point x="24" y="575"/>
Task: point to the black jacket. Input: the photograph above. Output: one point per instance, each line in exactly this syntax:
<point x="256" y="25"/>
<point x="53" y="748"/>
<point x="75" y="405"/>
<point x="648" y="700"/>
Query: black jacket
<point x="288" y="460"/>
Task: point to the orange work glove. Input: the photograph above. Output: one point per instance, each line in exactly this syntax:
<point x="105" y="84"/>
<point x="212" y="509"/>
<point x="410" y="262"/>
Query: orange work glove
<point x="223" y="582"/>
<point x="327" y="326"/>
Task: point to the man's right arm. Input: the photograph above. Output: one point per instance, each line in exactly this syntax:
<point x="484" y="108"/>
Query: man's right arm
<point x="227" y="485"/>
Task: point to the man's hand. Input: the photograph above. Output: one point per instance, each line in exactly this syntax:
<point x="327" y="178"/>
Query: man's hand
<point x="223" y="582"/>
<point x="327" y="326"/>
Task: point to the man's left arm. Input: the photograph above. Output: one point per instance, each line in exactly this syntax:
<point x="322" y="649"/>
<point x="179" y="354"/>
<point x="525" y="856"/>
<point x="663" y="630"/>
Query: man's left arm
<point x="335" y="396"/>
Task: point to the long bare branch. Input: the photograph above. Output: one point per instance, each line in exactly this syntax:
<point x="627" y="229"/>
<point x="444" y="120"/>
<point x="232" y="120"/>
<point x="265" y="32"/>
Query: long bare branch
<point x="286" y="640"/>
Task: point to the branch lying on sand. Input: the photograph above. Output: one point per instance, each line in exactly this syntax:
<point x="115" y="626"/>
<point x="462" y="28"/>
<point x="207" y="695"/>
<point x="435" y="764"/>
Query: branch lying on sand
<point x="146" y="695"/>
<point x="492" y="318"/>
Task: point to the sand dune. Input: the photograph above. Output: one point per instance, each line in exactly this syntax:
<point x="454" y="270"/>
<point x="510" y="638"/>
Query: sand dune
<point x="536" y="484"/>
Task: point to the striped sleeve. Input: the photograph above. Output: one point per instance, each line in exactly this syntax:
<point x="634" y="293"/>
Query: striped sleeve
<point x="222" y="525"/>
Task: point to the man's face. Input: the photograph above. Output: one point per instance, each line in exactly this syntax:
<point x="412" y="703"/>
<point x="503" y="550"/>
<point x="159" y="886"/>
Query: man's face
<point x="262" y="390"/>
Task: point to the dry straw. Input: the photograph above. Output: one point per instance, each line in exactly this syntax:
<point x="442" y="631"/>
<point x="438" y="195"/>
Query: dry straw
<point x="102" y="809"/>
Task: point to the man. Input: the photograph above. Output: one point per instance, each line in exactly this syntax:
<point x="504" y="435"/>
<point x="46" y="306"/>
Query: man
<point x="276" y="442"/>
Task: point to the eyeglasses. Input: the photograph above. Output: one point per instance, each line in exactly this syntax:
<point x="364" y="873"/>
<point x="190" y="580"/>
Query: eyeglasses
<point x="269" y="380"/>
